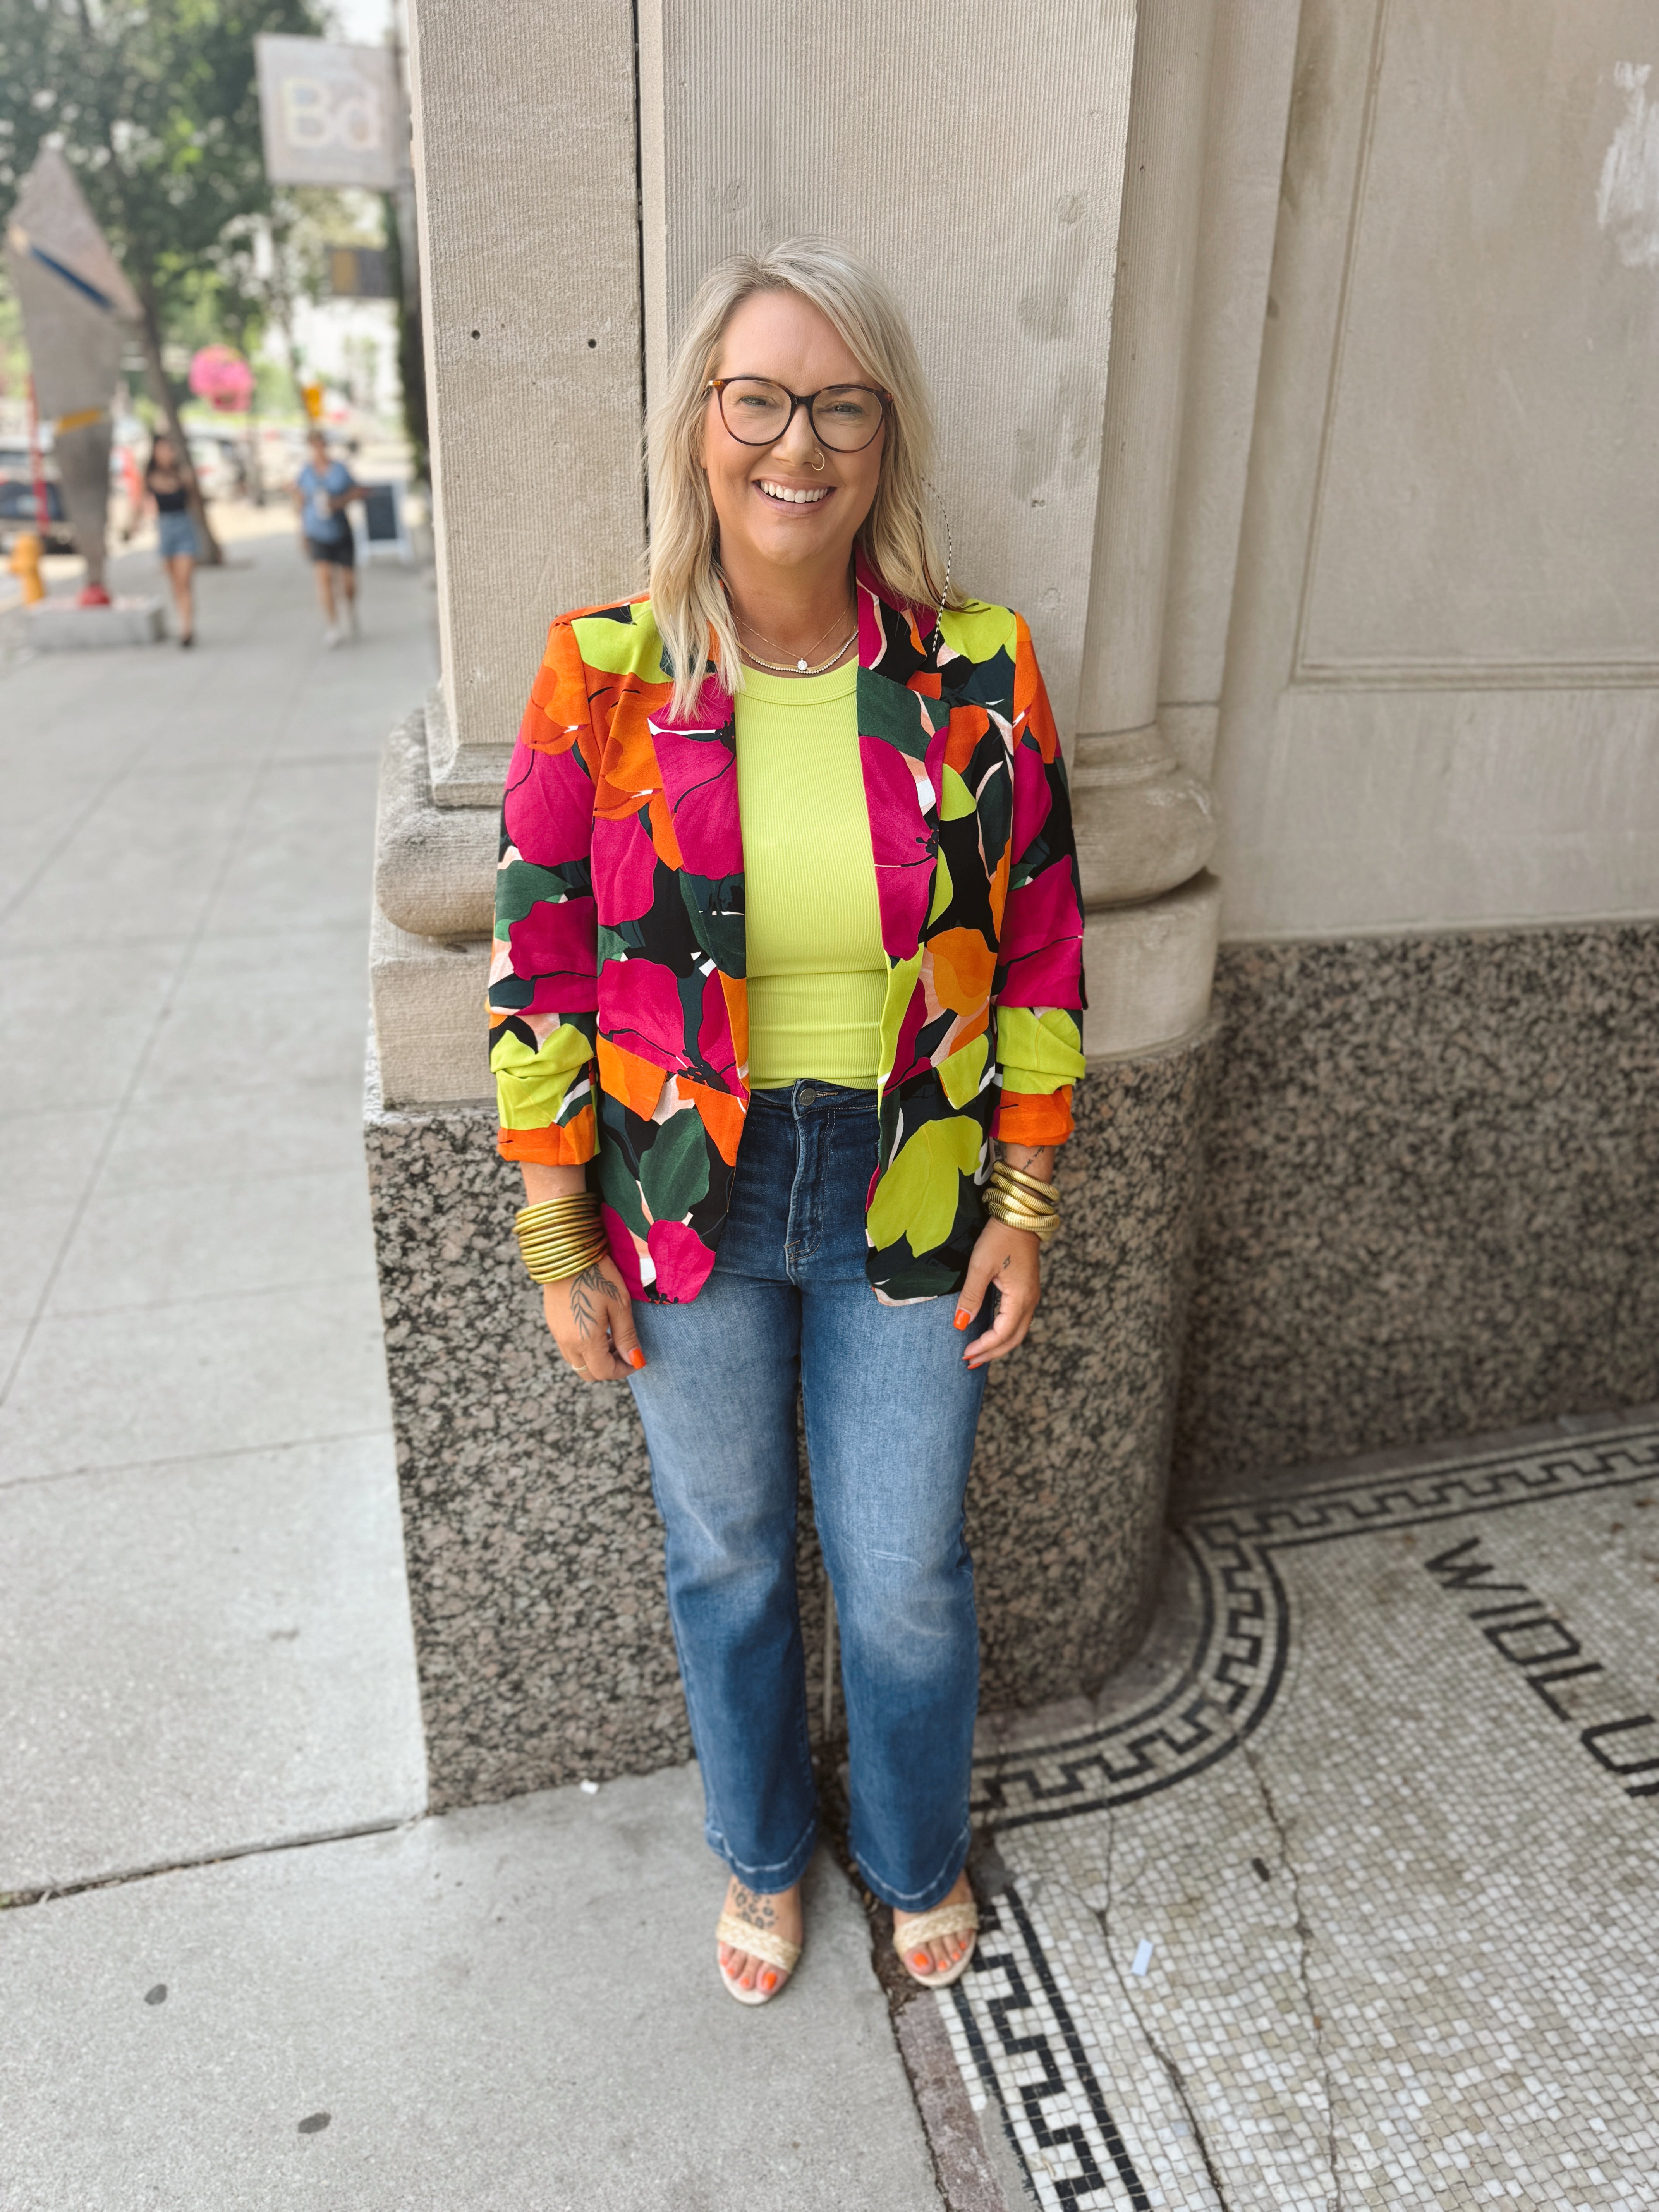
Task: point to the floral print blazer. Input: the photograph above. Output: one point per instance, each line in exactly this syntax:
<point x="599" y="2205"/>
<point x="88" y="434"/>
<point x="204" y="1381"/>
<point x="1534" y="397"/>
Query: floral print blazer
<point x="617" y="995"/>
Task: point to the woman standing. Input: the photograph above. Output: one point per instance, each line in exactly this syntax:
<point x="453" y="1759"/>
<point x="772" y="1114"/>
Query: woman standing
<point x="788" y="946"/>
<point x="175" y="531"/>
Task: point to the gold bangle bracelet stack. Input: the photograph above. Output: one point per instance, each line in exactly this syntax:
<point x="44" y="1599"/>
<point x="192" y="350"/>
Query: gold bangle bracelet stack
<point x="562" y="1237"/>
<point x="1022" y="1201"/>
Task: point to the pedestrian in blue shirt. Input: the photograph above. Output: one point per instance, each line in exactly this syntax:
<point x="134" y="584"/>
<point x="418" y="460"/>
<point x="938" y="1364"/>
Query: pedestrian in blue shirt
<point x="321" y="492"/>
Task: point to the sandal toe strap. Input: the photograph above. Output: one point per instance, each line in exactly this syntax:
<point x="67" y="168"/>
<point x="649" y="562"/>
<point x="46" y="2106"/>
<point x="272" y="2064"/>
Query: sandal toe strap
<point x="759" y="1942"/>
<point x="960" y="1919"/>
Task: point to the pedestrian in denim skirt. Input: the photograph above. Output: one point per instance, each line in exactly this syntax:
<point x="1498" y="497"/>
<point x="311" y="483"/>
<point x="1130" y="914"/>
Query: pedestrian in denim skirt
<point x="167" y="495"/>
<point x="785" y="1007"/>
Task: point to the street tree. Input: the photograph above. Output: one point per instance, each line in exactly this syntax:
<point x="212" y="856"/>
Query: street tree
<point x="156" y="106"/>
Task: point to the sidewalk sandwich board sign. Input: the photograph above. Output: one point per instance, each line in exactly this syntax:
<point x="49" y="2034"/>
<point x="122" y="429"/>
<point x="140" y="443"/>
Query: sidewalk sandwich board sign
<point x="382" y="534"/>
<point x="332" y="113"/>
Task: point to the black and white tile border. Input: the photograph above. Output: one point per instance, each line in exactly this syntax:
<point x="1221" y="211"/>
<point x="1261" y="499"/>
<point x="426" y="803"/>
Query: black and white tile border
<point x="1012" y="2021"/>
<point x="1241" y="1646"/>
<point x="1015" y="2037"/>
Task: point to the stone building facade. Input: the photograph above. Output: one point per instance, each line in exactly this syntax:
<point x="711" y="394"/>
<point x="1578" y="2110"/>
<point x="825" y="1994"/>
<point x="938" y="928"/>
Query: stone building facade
<point x="1290" y="360"/>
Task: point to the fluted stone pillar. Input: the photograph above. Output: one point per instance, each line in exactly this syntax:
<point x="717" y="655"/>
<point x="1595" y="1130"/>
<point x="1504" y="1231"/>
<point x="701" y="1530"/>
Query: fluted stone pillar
<point x="1087" y="1416"/>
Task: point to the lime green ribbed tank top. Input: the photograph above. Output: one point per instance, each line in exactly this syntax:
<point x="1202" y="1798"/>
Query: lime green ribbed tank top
<point x="817" y="976"/>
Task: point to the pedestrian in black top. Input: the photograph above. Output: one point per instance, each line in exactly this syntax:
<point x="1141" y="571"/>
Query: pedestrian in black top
<point x="175" y="529"/>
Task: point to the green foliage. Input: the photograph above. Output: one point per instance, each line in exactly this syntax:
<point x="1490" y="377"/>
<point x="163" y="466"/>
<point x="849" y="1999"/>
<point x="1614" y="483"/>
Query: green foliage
<point x="14" y="354"/>
<point x="155" y="106"/>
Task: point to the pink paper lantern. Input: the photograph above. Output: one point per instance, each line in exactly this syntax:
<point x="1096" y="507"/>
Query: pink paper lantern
<point x="221" y="376"/>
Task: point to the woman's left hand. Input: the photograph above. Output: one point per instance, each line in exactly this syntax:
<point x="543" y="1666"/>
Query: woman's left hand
<point x="1009" y="1259"/>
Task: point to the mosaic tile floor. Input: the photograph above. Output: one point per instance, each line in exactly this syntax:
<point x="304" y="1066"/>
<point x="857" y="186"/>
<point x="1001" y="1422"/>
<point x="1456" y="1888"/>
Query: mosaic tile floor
<point x="1348" y="1896"/>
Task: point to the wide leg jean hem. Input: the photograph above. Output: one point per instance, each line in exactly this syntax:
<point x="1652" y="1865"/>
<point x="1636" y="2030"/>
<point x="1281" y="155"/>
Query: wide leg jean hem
<point x="767" y="1880"/>
<point x="934" y="1892"/>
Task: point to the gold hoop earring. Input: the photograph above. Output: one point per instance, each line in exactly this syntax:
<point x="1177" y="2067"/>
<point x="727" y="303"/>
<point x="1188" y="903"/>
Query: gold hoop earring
<point x="818" y="463"/>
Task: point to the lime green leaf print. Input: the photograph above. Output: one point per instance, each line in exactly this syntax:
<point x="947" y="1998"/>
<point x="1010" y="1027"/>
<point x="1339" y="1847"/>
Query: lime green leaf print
<point x="530" y="1085"/>
<point x="943" y="890"/>
<point x="956" y="801"/>
<point x="674" y="1167"/>
<point x="959" y="1075"/>
<point x="900" y="984"/>
<point x="917" y="1197"/>
<point x="980" y="631"/>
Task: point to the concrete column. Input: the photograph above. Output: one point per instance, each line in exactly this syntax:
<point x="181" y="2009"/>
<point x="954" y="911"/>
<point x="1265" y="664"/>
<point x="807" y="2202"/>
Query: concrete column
<point x="1088" y="1420"/>
<point x="1145" y="823"/>
<point x="1206" y="134"/>
<point x="525" y="193"/>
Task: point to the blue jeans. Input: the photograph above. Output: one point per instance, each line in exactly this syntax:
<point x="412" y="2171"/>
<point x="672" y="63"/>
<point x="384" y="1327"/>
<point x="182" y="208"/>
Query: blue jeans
<point x="891" y="1415"/>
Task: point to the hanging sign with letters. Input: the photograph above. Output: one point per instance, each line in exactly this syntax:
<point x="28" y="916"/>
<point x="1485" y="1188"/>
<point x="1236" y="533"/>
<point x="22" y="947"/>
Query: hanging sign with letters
<point x="330" y="114"/>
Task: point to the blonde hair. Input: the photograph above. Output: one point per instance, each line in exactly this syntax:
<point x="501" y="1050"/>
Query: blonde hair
<point x="896" y="536"/>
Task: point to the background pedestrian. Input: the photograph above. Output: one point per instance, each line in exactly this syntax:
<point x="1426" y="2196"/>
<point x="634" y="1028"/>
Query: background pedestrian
<point x="175" y="531"/>
<point x="322" y="491"/>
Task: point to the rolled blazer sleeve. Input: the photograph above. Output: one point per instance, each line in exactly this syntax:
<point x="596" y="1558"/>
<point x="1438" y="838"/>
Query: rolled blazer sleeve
<point x="544" y="987"/>
<point x="1038" y="990"/>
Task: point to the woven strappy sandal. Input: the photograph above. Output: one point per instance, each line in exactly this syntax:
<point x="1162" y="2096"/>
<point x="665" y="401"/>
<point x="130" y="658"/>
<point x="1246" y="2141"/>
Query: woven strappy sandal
<point x="759" y="1943"/>
<point x="959" y="1919"/>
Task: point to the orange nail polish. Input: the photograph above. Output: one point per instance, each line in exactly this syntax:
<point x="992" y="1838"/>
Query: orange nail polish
<point x="768" y="1981"/>
<point x="963" y="1316"/>
<point x="636" y="1358"/>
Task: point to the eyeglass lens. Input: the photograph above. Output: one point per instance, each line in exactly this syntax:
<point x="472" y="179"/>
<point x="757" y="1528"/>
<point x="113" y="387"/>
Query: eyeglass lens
<point x="845" y="416"/>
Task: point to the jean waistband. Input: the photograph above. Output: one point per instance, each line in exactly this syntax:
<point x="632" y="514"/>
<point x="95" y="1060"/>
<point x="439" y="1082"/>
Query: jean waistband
<point x="806" y="1095"/>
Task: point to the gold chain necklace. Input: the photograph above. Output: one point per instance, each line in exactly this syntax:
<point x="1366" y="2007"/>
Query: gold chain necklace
<point x="801" y="668"/>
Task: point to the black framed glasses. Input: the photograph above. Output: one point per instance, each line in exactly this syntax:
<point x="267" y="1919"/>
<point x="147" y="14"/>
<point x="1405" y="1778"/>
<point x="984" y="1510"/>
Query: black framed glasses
<point x="757" y="412"/>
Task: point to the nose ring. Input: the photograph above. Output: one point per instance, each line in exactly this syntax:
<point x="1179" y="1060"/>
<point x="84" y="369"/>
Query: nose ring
<point x="817" y="459"/>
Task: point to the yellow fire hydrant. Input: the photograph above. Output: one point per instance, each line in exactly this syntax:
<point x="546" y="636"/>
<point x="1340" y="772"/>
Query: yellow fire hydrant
<point x="25" y="565"/>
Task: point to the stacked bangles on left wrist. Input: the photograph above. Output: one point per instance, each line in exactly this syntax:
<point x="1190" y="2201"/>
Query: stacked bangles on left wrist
<point x="1023" y="1201"/>
<point x="561" y="1237"/>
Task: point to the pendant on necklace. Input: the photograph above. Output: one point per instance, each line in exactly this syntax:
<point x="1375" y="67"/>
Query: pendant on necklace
<point x="801" y="665"/>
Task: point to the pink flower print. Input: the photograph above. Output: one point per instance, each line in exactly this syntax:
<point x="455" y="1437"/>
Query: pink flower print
<point x="1042" y="947"/>
<point x="624" y="869"/>
<point x="640" y="1009"/>
<point x="554" y="945"/>
<point x="699" y="781"/>
<point x="684" y="1261"/>
<point x="896" y="790"/>
<point x="548" y="809"/>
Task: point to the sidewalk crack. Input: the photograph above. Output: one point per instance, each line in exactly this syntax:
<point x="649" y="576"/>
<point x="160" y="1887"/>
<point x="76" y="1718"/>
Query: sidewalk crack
<point x="1166" y="2059"/>
<point x="1305" y="1940"/>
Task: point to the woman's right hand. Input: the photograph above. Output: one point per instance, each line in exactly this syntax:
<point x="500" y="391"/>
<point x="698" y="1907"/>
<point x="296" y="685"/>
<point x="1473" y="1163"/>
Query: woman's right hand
<point x="591" y="1317"/>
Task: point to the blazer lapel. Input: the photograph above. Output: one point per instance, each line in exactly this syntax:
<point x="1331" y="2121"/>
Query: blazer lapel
<point x="902" y="728"/>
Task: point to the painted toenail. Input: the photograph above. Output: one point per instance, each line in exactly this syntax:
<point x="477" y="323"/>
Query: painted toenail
<point x="768" y="1981"/>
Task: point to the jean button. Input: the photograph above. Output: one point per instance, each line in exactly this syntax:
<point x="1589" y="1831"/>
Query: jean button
<point x="806" y="1095"/>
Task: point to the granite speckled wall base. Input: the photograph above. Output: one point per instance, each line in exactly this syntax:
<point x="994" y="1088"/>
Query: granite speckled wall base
<point x="535" y="1553"/>
<point x="1431" y="1204"/>
<point x="1067" y="1506"/>
<point x="534" y="1558"/>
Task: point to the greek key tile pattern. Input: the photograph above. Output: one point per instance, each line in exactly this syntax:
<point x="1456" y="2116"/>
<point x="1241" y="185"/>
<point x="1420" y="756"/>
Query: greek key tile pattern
<point x="1241" y="1646"/>
<point x="1354" y="1906"/>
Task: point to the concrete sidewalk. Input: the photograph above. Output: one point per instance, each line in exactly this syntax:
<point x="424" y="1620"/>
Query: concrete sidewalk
<point x="513" y="2007"/>
<point x="205" y="1650"/>
<point x="204" y="1640"/>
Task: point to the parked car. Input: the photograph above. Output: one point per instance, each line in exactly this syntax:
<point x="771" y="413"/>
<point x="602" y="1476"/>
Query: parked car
<point x="17" y="507"/>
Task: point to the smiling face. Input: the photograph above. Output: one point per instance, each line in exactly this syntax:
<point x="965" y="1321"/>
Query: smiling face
<point x="777" y="508"/>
